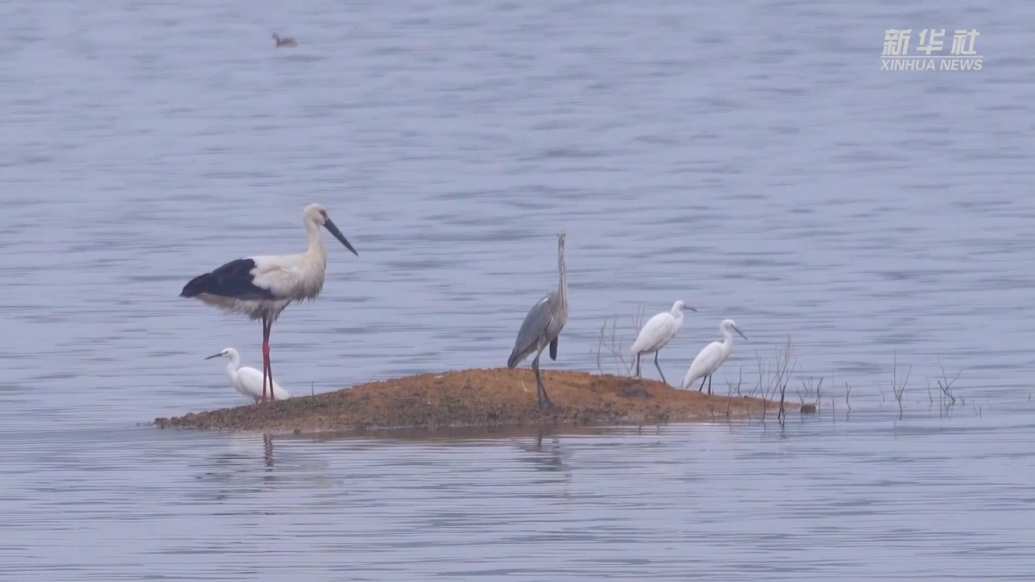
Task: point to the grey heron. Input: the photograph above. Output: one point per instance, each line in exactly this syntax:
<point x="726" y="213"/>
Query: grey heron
<point x="261" y="287"/>
<point x="656" y="334"/>
<point x="542" y="326"/>
<point x="711" y="357"/>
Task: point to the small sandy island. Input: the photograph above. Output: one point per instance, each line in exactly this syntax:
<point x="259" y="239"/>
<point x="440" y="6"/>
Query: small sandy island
<point x="477" y="398"/>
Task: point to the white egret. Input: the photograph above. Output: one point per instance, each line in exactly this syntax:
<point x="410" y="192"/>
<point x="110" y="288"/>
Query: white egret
<point x="542" y="326"/>
<point x="656" y="334"/>
<point x="711" y="357"/>
<point x="247" y="381"/>
<point x="262" y="287"/>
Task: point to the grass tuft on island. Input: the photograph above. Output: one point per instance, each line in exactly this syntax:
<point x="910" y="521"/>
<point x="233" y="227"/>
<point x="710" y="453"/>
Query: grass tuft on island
<point x="477" y="398"/>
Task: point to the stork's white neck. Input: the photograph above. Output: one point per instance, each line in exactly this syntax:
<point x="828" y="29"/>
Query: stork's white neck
<point x="317" y="250"/>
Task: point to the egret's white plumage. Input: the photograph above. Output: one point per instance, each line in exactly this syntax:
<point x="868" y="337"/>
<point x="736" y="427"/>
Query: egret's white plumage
<point x="711" y="357"/>
<point x="247" y="381"/>
<point x="656" y="334"/>
<point x="262" y="287"/>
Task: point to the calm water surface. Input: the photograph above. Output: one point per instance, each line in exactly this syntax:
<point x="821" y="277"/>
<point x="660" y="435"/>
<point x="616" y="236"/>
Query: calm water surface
<point x="751" y="160"/>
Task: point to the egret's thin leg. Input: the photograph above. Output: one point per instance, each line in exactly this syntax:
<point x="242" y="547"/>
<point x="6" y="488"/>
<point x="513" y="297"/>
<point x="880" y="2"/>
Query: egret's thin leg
<point x="703" y="380"/>
<point x="658" y="366"/>
<point x="709" y="384"/>
<point x="637" y="365"/>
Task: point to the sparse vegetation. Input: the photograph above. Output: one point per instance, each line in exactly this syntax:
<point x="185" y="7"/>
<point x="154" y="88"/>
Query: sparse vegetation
<point x="812" y="396"/>
<point x="611" y="351"/>
<point x="774" y="376"/>
<point x="946" y="398"/>
<point x="897" y="389"/>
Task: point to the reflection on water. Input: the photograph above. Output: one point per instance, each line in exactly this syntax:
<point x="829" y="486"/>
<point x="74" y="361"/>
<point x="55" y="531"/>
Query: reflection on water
<point x="725" y="500"/>
<point x="815" y="499"/>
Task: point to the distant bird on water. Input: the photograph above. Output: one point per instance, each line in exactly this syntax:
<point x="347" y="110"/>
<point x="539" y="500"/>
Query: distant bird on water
<point x="711" y="357"/>
<point x="247" y="381"/>
<point x="656" y="334"/>
<point x="284" y="41"/>
<point x="261" y="287"/>
<point x="542" y="326"/>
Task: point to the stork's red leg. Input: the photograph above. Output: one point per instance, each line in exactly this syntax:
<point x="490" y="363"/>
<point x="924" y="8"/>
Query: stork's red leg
<point x="265" y="356"/>
<point x="269" y="363"/>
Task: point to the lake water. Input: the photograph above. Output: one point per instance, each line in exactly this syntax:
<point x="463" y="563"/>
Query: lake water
<point x="753" y="161"/>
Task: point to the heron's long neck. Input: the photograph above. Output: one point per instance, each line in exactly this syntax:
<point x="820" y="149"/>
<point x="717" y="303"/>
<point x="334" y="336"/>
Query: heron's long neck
<point x="562" y="286"/>
<point x="235" y="363"/>
<point x="727" y="338"/>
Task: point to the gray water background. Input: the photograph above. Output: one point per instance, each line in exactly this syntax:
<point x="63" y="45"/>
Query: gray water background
<point x="749" y="159"/>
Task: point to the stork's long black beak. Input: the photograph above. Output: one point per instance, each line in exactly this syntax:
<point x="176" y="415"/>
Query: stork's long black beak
<point x="214" y="356"/>
<point x="337" y="234"/>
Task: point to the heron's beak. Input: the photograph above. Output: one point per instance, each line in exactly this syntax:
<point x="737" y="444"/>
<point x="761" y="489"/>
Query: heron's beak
<point x="214" y="356"/>
<point x="690" y="308"/>
<point x="337" y="234"/>
<point x="736" y="329"/>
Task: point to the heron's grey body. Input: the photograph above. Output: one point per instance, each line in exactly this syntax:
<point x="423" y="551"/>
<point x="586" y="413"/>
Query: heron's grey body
<point x="542" y="327"/>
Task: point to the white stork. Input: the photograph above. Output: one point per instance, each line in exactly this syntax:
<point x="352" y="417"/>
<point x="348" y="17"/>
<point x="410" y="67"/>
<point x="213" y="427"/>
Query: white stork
<point x="262" y="287"/>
